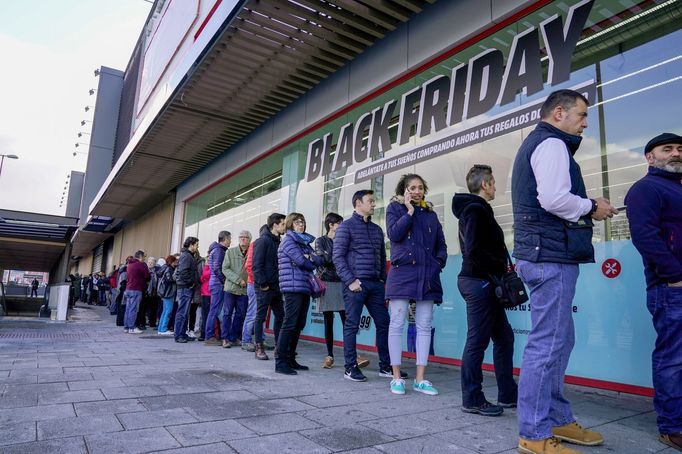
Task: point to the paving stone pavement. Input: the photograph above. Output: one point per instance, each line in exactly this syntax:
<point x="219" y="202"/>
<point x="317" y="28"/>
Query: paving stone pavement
<point x="85" y="386"/>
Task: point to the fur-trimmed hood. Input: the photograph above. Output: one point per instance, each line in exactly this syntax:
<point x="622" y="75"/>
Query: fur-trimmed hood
<point x="401" y="200"/>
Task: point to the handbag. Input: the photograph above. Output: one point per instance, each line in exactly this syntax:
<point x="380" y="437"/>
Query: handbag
<point x="317" y="287"/>
<point x="509" y="288"/>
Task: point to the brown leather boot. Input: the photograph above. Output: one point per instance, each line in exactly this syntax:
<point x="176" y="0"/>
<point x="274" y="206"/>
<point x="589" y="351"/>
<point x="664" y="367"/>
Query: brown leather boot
<point x="547" y="446"/>
<point x="575" y="433"/>
<point x="260" y="352"/>
<point x="673" y="440"/>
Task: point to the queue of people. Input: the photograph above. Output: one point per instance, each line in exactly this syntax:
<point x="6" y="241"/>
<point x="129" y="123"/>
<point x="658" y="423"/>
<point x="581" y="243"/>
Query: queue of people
<point x="553" y="221"/>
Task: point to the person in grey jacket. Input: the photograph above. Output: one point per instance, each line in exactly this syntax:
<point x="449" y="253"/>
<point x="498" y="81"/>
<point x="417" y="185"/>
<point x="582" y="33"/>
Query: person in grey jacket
<point x="235" y="299"/>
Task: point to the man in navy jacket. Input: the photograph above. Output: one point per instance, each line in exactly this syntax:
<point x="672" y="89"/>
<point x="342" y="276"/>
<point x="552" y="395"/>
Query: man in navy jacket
<point x="360" y="259"/>
<point x="654" y="210"/>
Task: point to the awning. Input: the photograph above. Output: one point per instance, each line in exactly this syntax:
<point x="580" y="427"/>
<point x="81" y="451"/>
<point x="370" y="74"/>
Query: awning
<point x="33" y="241"/>
<point x="271" y="53"/>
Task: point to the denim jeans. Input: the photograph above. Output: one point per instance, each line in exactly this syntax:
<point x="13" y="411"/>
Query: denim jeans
<point x="133" y="298"/>
<point x="184" y="300"/>
<point x="665" y="305"/>
<point x="541" y="403"/>
<point x="250" y="314"/>
<point x="217" y="296"/>
<point x="423" y="319"/>
<point x="234" y="311"/>
<point x="165" y="315"/>
<point x="486" y="320"/>
<point x="272" y="299"/>
<point x="295" y="316"/>
<point x="373" y="297"/>
<point x="205" y="307"/>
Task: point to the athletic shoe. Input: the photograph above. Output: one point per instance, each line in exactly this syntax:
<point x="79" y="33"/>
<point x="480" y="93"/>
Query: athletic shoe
<point x="328" y="362"/>
<point x="398" y="386"/>
<point x="226" y="343"/>
<point x="362" y="361"/>
<point x="181" y="340"/>
<point x="388" y="372"/>
<point x="212" y="342"/>
<point x="165" y="333"/>
<point x="135" y="331"/>
<point x="424" y="387"/>
<point x="190" y="334"/>
<point x="248" y="347"/>
<point x="506" y="404"/>
<point x="353" y="374"/>
<point x="486" y="409"/>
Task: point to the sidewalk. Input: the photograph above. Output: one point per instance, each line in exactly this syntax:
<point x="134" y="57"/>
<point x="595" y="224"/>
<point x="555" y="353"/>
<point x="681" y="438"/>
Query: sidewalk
<point x="85" y="386"/>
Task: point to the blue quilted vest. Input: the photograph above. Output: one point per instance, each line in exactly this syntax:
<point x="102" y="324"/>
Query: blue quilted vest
<point x="540" y="236"/>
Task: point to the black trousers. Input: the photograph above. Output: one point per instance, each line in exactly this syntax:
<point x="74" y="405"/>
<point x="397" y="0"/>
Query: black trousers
<point x="486" y="320"/>
<point x="329" y="329"/>
<point x="264" y="299"/>
<point x="295" y="317"/>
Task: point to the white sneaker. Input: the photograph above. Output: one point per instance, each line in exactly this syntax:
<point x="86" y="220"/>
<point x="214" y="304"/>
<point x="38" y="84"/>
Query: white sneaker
<point x="165" y="333"/>
<point x="126" y="331"/>
<point x="190" y="333"/>
<point x="136" y="331"/>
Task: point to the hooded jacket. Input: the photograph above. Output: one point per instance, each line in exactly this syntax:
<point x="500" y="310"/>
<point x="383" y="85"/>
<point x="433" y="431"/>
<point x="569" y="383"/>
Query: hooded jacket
<point x="654" y="210"/>
<point x="265" y="273"/>
<point x="481" y="239"/>
<point x="216" y="255"/>
<point x="295" y="269"/>
<point x="418" y="252"/>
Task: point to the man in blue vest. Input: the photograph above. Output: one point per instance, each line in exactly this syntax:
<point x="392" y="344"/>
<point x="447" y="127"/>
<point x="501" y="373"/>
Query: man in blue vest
<point x="655" y="216"/>
<point x="552" y="236"/>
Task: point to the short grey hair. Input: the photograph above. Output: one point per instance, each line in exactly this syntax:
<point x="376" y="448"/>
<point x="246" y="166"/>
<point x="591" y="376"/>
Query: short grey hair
<point x="246" y="233"/>
<point x="477" y="175"/>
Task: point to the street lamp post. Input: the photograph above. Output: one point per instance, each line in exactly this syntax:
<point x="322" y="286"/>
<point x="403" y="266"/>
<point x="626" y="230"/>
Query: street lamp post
<point x="8" y="156"/>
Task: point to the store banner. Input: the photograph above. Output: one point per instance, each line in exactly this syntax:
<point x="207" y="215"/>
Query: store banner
<point x="506" y="123"/>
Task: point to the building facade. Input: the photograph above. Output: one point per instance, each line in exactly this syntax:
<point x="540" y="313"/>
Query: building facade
<point x="451" y="85"/>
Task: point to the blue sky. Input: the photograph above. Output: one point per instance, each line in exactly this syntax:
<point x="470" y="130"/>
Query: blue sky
<point x="49" y="50"/>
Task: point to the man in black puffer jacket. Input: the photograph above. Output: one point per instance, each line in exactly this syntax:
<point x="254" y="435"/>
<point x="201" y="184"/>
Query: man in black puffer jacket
<point x="266" y="279"/>
<point x="187" y="277"/>
<point x="484" y="254"/>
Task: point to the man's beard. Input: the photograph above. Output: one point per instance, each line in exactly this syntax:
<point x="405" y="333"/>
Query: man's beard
<point x="670" y="166"/>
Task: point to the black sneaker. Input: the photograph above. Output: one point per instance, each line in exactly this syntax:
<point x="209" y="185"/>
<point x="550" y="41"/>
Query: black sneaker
<point x="181" y="340"/>
<point x="285" y="369"/>
<point x="388" y="372"/>
<point x="487" y="409"/>
<point x="353" y="374"/>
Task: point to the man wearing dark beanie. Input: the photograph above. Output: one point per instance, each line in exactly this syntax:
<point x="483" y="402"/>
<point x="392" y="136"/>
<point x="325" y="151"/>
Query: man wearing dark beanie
<point x="654" y="210"/>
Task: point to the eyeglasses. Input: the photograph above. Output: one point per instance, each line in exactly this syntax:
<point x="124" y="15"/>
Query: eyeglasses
<point x="299" y="221"/>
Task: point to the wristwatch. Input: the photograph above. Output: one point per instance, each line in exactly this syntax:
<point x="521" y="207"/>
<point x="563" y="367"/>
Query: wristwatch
<point x="594" y="207"/>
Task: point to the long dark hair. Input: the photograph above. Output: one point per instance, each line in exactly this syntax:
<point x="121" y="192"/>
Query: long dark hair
<point x="405" y="180"/>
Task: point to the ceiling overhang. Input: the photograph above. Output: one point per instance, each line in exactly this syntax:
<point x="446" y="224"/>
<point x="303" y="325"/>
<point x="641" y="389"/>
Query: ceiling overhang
<point x="268" y="55"/>
<point x="33" y="241"/>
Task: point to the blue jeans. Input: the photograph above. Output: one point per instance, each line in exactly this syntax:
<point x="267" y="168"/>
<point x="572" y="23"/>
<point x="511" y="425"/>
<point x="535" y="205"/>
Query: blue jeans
<point x="372" y="296"/>
<point x="217" y="296"/>
<point x="184" y="300"/>
<point x="133" y="298"/>
<point x="665" y="305"/>
<point x="486" y="320"/>
<point x="250" y="315"/>
<point x="234" y="311"/>
<point x="541" y="403"/>
<point x="165" y="315"/>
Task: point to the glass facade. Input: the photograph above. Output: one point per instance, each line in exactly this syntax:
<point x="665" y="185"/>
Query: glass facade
<point x="630" y="53"/>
